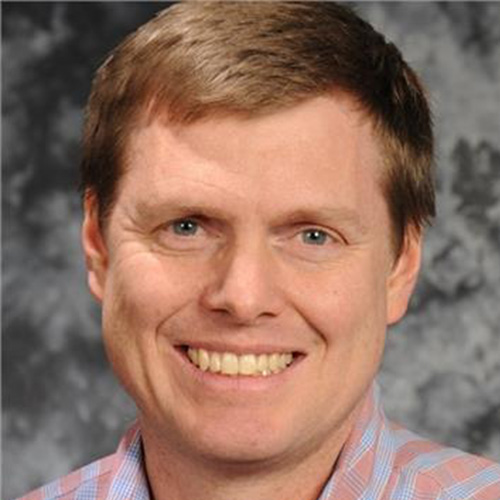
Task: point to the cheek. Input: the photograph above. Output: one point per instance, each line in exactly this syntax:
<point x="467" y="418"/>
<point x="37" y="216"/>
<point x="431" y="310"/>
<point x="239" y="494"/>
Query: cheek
<point x="142" y="292"/>
<point x="346" y="308"/>
<point x="345" y="311"/>
<point x="146" y="290"/>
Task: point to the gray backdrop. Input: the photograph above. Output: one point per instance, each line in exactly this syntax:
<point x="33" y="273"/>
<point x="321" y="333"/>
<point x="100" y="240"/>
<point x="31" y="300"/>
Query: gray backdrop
<point x="61" y="406"/>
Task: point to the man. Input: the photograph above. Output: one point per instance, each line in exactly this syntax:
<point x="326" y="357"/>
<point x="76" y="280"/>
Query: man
<point x="257" y="178"/>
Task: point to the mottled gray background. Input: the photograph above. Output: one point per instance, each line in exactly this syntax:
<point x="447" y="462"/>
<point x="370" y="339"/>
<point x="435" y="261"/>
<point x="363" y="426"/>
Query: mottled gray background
<point x="61" y="406"/>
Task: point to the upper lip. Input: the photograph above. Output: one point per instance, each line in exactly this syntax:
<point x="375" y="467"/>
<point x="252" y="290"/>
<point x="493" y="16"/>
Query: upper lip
<point x="240" y="349"/>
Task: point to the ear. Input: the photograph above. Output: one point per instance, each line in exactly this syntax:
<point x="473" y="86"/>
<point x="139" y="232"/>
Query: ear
<point x="94" y="247"/>
<point x="403" y="277"/>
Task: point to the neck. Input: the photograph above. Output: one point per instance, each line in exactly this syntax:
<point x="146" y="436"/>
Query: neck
<point x="174" y="475"/>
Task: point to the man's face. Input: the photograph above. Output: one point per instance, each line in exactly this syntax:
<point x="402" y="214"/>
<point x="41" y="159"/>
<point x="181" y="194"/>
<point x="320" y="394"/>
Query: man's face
<point x="252" y="244"/>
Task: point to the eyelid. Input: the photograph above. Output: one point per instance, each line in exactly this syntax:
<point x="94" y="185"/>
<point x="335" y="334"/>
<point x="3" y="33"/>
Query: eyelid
<point x="194" y="218"/>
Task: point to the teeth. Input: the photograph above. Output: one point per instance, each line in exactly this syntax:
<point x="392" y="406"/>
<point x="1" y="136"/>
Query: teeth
<point x="275" y="363"/>
<point x="203" y="359"/>
<point x="215" y="362"/>
<point x="231" y="364"/>
<point x="247" y="364"/>
<point x="263" y="364"/>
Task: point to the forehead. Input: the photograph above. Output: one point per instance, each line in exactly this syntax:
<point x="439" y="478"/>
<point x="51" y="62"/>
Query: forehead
<point x="320" y="151"/>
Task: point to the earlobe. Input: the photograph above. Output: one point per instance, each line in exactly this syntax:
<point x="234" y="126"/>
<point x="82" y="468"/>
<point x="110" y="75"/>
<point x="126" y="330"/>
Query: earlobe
<point x="94" y="247"/>
<point x="403" y="277"/>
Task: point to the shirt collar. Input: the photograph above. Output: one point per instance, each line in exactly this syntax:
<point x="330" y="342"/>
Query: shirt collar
<point x="366" y="461"/>
<point x="129" y="476"/>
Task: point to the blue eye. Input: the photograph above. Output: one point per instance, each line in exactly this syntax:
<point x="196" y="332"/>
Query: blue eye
<point x="185" y="227"/>
<point x="314" y="237"/>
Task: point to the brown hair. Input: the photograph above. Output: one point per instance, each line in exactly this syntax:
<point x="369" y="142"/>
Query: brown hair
<point x="197" y="59"/>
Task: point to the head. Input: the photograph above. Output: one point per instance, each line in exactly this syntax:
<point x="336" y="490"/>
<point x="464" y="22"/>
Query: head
<point x="256" y="179"/>
<point x="202" y="59"/>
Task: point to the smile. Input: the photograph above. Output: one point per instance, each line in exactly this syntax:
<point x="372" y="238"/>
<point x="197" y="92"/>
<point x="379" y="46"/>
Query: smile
<point x="231" y="364"/>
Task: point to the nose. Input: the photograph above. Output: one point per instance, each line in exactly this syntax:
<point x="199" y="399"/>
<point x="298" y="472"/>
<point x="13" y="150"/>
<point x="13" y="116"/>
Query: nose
<point x="244" y="287"/>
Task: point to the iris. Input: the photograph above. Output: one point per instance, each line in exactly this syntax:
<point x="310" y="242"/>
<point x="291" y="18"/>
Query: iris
<point x="314" y="237"/>
<point x="185" y="227"/>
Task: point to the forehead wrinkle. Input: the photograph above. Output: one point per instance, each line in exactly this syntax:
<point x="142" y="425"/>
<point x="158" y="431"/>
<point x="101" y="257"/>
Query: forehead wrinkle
<point x="226" y="190"/>
<point x="165" y="190"/>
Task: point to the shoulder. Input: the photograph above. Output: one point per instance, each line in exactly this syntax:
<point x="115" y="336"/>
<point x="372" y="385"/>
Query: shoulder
<point x="450" y="474"/>
<point x="90" y="482"/>
<point x="123" y="470"/>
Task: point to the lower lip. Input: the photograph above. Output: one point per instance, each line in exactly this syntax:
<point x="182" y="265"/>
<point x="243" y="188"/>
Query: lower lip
<point x="240" y="383"/>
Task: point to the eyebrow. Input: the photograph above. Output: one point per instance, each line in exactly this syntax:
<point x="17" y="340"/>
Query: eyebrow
<point x="325" y="214"/>
<point x="179" y="207"/>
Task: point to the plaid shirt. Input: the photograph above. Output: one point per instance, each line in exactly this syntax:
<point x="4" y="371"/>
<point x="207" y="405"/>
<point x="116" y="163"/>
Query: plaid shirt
<point x="380" y="461"/>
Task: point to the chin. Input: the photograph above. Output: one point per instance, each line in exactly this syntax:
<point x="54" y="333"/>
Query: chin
<point x="252" y="440"/>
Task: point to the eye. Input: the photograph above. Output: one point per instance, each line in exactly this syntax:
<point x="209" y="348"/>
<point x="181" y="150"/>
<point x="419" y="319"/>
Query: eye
<point x="185" y="234"/>
<point x="313" y="243"/>
<point x="314" y="236"/>
<point x="185" y="227"/>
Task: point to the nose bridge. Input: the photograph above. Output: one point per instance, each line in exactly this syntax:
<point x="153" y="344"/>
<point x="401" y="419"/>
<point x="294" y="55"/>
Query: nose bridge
<point x="245" y="284"/>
